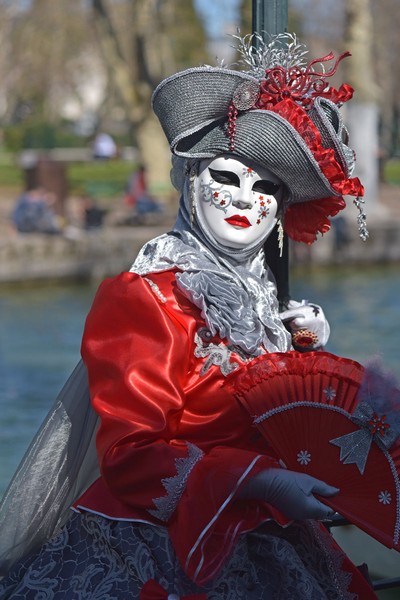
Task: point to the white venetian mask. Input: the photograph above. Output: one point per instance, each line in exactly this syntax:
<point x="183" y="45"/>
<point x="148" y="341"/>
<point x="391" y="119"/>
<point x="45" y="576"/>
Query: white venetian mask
<point x="236" y="200"/>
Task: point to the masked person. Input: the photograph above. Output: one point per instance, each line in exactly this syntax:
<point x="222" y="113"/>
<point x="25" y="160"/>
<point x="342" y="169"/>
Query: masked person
<point x="189" y="501"/>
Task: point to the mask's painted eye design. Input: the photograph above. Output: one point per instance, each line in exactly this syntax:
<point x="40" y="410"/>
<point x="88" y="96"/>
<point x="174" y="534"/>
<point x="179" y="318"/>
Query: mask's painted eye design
<point x="263" y="186"/>
<point x="243" y="195"/>
<point x="225" y="177"/>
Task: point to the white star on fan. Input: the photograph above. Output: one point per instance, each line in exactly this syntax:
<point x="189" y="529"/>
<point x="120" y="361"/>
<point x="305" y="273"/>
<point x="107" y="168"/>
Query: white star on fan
<point x="385" y="497"/>
<point x="304" y="457"/>
<point x="330" y="393"/>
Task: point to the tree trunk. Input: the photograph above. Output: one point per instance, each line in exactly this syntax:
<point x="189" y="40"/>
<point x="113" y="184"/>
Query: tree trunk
<point x="362" y="116"/>
<point x="155" y="155"/>
<point x="135" y="91"/>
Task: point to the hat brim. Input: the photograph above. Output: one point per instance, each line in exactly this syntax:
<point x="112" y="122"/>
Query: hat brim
<point x="189" y="100"/>
<point x="276" y="145"/>
<point x="193" y="107"/>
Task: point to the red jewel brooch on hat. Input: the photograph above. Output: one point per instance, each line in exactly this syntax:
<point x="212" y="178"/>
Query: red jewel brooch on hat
<point x="244" y="98"/>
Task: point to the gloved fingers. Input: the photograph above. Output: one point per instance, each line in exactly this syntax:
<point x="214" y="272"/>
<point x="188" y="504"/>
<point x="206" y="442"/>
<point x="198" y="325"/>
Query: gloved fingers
<point x="292" y="493"/>
<point x="308" y="319"/>
<point x="325" y="490"/>
<point x="300" y="322"/>
<point x="311" y="485"/>
<point x="291" y="314"/>
<point x="318" y="510"/>
<point x="305" y="507"/>
<point x="295" y="304"/>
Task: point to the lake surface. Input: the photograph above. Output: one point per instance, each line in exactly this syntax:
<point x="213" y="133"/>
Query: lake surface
<point x="41" y="328"/>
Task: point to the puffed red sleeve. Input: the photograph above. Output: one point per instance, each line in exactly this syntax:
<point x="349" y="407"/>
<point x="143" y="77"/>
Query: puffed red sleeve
<point x="137" y="354"/>
<point x="136" y="358"/>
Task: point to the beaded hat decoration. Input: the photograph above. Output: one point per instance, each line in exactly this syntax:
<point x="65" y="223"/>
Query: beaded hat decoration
<point x="278" y="111"/>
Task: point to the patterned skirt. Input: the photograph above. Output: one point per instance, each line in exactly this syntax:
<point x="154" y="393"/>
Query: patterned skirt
<point x="93" y="558"/>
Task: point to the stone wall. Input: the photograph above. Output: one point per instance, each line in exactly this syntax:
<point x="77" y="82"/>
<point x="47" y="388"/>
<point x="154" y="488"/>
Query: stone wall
<point x="100" y="253"/>
<point x="85" y="255"/>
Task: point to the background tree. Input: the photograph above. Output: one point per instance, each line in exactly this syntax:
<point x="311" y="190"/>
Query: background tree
<point x="363" y="110"/>
<point x="61" y="58"/>
<point x="44" y="56"/>
<point x="386" y="59"/>
<point x="143" y="41"/>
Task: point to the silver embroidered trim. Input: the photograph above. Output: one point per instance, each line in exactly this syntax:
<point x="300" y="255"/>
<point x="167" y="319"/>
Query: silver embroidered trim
<point x="396" y="533"/>
<point x="216" y="355"/>
<point x="175" y="485"/>
<point x="334" y="560"/>
<point x="155" y="289"/>
<point x="278" y="409"/>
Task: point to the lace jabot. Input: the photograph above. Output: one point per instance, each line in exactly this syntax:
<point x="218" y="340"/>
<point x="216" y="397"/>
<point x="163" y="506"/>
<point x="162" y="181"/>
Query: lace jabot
<point x="234" y="290"/>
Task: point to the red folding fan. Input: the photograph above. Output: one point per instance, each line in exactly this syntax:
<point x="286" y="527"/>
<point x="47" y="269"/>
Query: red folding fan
<point x="334" y="419"/>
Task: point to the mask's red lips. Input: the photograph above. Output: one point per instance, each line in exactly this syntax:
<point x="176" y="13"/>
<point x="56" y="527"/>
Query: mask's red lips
<point x="238" y="221"/>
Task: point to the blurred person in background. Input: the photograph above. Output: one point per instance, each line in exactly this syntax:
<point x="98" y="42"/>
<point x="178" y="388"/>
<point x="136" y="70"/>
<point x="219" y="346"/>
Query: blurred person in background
<point x="104" y="147"/>
<point x="34" y="213"/>
<point x="138" y="198"/>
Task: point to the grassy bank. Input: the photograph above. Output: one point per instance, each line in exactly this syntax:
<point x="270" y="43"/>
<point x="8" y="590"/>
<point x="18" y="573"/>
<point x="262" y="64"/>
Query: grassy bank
<point x="94" y="177"/>
<point x="114" y="173"/>
<point x="392" y="171"/>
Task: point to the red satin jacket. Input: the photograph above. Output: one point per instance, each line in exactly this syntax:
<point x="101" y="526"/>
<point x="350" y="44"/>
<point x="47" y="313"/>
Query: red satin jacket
<point x="174" y="446"/>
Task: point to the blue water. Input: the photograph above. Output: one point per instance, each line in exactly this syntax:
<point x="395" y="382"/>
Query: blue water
<point x="362" y="305"/>
<point x="40" y="331"/>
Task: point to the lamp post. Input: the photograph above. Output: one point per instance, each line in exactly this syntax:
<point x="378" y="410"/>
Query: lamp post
<point x="271" y="17"/>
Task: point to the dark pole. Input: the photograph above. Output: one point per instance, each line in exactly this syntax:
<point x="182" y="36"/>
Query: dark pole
<point x="271" y="17"/>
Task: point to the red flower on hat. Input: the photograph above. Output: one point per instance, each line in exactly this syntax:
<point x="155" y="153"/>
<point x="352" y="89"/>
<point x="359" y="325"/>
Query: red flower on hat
<point x="290" y="93"/>
<point x="301" y="84"/>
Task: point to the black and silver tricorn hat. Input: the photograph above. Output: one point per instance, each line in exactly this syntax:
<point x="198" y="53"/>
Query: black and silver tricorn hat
<point x="280" y="113"/>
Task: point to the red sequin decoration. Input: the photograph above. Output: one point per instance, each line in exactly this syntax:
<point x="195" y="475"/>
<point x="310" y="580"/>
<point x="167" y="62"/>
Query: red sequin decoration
<point x="377" y="424"/>
<point x="232" y="116"/>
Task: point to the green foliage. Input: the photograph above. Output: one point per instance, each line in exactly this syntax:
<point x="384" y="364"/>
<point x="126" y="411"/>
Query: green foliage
<point x="11" y="175"/>
<point x="40" y="134"/>
<point x="94" y="178"/>
<point x="188" y="35"/>
<point x="392" y="171"/>
<point x="99" y="178"/>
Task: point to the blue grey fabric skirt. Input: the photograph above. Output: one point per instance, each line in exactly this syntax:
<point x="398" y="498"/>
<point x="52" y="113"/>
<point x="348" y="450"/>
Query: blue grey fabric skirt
<point x="93" y="558"/>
